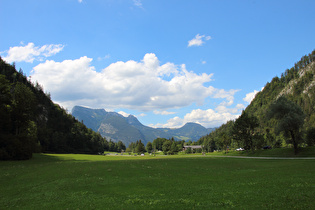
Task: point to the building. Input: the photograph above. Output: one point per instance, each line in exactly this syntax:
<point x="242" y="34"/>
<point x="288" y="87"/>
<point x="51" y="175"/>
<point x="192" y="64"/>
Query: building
<point x="192" y="147"/>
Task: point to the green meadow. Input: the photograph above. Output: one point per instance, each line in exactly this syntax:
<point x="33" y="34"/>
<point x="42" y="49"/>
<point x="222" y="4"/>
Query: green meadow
<point x="51" y="181"/>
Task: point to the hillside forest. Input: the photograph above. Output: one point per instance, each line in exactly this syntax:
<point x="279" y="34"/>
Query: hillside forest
<point x="281" y="115"/>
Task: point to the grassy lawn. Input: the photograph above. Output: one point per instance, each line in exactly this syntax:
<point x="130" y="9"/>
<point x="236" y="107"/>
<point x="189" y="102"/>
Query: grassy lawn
<point x="161" y="182"/>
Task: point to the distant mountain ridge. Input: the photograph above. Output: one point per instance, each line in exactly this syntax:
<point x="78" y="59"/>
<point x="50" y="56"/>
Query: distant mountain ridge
<point x="114" y="126"/>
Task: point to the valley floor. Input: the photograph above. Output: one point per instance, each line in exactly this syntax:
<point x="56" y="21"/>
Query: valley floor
<point x="72" y="181"/>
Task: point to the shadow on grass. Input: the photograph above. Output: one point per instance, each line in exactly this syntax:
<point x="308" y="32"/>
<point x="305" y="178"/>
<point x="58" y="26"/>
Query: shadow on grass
<point x="276" y="152"/>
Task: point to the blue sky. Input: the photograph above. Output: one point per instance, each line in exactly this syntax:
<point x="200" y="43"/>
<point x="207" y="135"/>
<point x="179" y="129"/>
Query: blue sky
<point x="166" y="62"/>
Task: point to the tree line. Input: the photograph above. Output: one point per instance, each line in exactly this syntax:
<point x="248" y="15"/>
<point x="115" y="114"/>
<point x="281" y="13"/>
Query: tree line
<point x="168" y="146"/>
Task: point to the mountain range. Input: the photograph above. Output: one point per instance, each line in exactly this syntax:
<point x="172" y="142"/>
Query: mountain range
<point x="115" y="126"/>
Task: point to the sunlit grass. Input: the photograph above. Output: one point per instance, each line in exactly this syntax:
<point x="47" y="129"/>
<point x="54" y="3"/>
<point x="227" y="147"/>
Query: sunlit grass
<point x="72" y="181"/>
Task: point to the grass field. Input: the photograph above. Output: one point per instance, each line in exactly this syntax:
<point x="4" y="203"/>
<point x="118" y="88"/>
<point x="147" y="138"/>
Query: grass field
<point x="161" y="182"/>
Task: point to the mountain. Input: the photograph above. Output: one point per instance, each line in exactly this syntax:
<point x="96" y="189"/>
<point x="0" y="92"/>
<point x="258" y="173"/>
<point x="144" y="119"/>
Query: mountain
<point x="297" y="85"/>
<point x="114" y="126"/>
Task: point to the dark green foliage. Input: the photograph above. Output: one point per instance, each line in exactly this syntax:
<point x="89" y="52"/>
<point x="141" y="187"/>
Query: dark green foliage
<point x="111" y="146"/>
<point x="120" y="146"/>
<point x="149" y="147"/>
<point x="166" y="147"/>
<point x="158" y="143"/>
<point x="18" y="129"/>
<point x="244" y="131"/>
<point x="188" y="150"/>
<point x="135" y="147"/>
<point x="290" y="120"/>
<point x="214" y="140"/>
<point x="31" y="122"/>
<point x="310" y="137"/>
<point x="140" y="147"/>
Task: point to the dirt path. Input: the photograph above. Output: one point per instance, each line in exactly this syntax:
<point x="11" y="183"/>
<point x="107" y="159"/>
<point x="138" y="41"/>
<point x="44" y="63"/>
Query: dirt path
<point x="271" y="158"/>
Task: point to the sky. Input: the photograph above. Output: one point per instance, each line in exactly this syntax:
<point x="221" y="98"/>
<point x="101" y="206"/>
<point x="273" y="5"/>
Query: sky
<point x="167" y="62"/>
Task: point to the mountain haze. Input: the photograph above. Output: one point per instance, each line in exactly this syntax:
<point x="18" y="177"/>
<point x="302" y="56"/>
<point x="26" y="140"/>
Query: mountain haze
<point x="116" y="127"/>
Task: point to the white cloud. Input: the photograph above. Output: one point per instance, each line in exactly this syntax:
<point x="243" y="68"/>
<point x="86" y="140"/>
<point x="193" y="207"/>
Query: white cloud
<point x="142" y="115"/>
<point x="104" y="58"/>
<point x="198" y="40"/>
<point x="163" y="112"/>
<point x="228" y="95"/>
<point x="80" y="1"/>
<point x="207" y="118"/>
<point x="137" y="3"/>
<point x="250" y="96"/>
<point x="123" y="113"/>
<point x="144" y="85"/>
<point x="224" y="109"/>
<point x="30" y="52"/>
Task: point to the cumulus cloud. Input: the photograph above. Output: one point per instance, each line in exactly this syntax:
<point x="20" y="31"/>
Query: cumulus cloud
<point x="30" y="52"/>
<point x="123" y="113"/>
<point x="146" y="85"/>
<point x="224" y="109"/>
<point x="250" y="96"/>
<point x="208" y="118"/>
<point x="198" y="40"/>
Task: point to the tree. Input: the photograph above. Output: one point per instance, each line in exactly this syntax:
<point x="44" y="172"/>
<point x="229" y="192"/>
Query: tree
<point x="140" y="147"/>
<point x="224" y="142"/>
<point x="158" y="143"/>
<point x="23" y="107"/>
<point x="5" y="105"/>
<point x="120" y="146"/>
<point x="244" y="130"/>
<point x="149" y="147"/>
<point x="166" y="146"/>
<point x="111" y="146"/>
<point x="132" y="147"/>
<point x="189" y="143"/>
<point x="174" y="148"/>
<point x="290" y="120"/>
<point x="188" y="150"/>
<point x="310" y="136"/>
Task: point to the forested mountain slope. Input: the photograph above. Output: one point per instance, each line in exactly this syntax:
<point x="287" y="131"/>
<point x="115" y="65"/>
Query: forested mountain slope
<point x="31" y="122"/>
<point x="297" y="86"/>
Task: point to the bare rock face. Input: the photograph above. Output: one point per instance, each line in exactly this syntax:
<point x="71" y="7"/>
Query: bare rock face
<point x="107" y="128"/>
